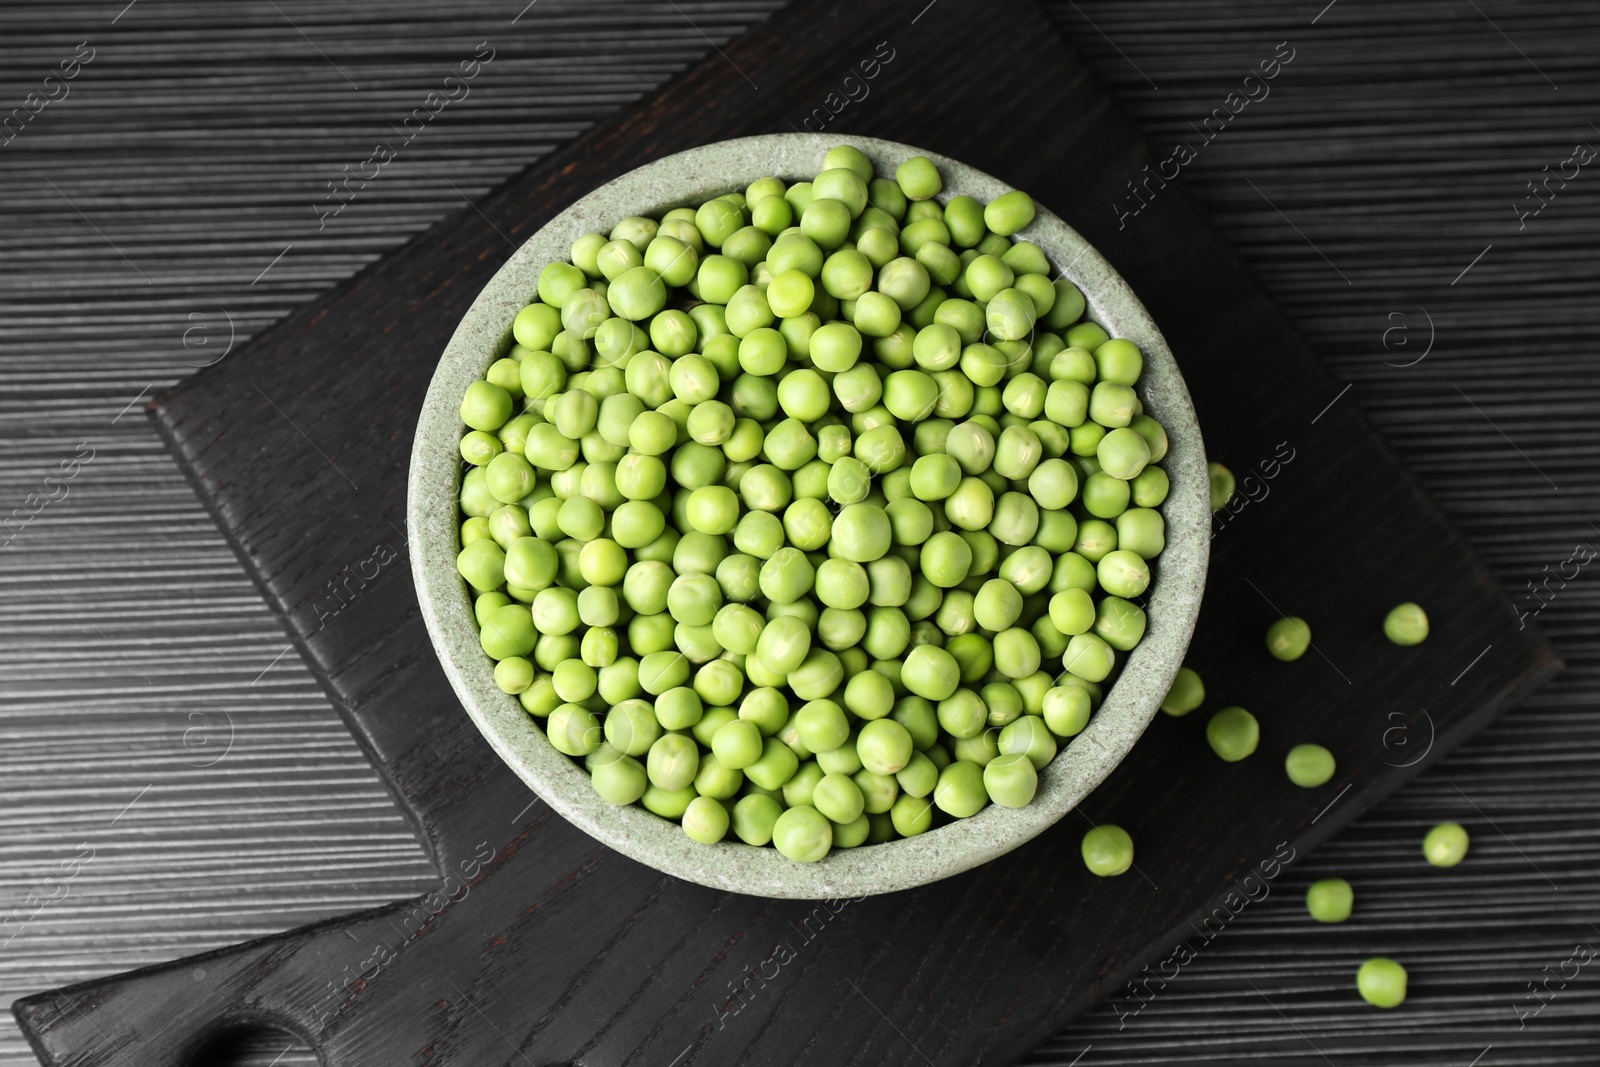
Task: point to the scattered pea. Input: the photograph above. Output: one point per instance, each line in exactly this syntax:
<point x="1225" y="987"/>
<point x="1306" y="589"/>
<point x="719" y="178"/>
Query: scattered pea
<point x="1222" y="485"/>
<point x="1233" y="733"/>
<point x="1288" y="638"/>
<point x="1188" y="692"/>
<point x="1330" y="900"/>
<point x="1381" y="982"/>
<point x="1446" y="844"/>
<point x="1406" y="624"/>
<point x="1309" y="766"/>
<point x="1107" y="850"/>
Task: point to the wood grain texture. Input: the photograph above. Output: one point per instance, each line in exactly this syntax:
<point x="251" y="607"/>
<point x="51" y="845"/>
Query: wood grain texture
<point x="1417" y="117"/>
<point x="630" y="965"/>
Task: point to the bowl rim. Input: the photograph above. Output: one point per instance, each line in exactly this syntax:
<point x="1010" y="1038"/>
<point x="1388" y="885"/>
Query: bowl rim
<point x="1083" y="762"/>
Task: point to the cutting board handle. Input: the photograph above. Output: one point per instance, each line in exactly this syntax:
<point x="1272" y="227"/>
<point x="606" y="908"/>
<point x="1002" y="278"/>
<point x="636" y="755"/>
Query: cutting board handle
<point x="300" y="981"/>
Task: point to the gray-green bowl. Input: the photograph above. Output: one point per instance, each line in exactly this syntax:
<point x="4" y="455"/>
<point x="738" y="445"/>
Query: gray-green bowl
<point x="485" y="334"/>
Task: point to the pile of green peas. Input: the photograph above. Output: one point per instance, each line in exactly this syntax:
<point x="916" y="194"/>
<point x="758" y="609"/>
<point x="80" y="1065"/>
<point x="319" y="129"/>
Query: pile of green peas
<point x="782" y="509"/>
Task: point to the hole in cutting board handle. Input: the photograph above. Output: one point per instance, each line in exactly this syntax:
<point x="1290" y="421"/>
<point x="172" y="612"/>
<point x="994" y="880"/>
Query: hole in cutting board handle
<point x="265" y="1045"/>
<point x="253" y="1045"/>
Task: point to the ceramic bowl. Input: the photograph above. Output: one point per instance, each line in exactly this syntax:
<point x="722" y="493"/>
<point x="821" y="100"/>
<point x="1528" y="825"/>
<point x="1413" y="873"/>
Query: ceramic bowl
<point x="485" y="335"/>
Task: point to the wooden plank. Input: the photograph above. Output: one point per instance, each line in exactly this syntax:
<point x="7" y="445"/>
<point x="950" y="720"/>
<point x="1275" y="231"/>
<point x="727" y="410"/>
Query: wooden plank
<point x="299" y="445"/>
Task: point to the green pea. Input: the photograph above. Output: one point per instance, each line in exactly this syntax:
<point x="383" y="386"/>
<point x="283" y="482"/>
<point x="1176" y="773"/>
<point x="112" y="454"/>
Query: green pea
<point x="1188" y="692"/>
<point x="790" y="294"/>
<point x="803" y="834"/>
<point x="668" y="803"/>
<point x="573" y="730"/>
<point x="478" y="447"/>
<point x="931" y="672"/>
<point x="884" y="746"/>
<point x="918" y="178"/>
<point x="1053" y="484"/>
<point x="485" y="406"/>
<point x="1085" y="440"/>
<point x="964" y="217"/>
<point x="1010" y="313"/>
<point x="1222" y="485"/>
<point x="922" y="232"/>
<point x="619" y="679"/>
<point x="1105" y="496"/>
<point x="673" y="762"/>
<point x="1011" y="780"/>
<point x="877" y="791"/>
<point x="1112" y="405"/>
<point x="795" y="251"/>
<point x="618" y="778"/>
<point x="759" y="534"/>
<point x="919" y="776"/>
<point x="771" y="214"/>
<point x="1009" y="212"/>
<point x="1015" y="519"/>
<point x="476" y="529"/>
<point x="706" y="820"/>
<point x="717" y="220"/>
<point x="846" y="274"/>
<point x="946" y="559"/>
<point x="766" y="707"/>
<point x="513" y="675"/>
<point x="1233" y="733"/>
<point x="636" y="230"/>
<point x="971" y="506"/>
<point x="536" y="326"/>
<point x="631" y="727"/>
<point x="818" y="675"/>
<point x="905" y="281"/>
<point x="1107" y="850"/>
<point x="1119" y="361"/>
<point x="862" y="533"/>
<point x="997" y="605"/>
<point x="748" y="245"/>
<point x="1125" y="574"/>
<point x="737" y="744"/>
<point x="1330" y="900"/>
<point x="482" y="564"/>
<point x="1155" y="436"/>
<point x="1445" y="845"/>
<point x="826" y="222"/>
<point x="1406" y="624"/>
<point x="1123" y="453"/>
<point x="754" y="818"/>
<point x="888" y="628"/>
<point x="1095" y="540"/>
<point x="673" y="260"/>
<point x="1086" y="335"/>
<point x="1309" y="766"/>
<point x="1066" y="710"/>
<point x="1029" y="736"/>
<point x="1381" y="982"/>
<point x="539" y="699"/>
<point x="1288" y="638"/>
<point x="1142" y="531"/>
<point x="845" y="185"/>
<point x="1024" y="396"/>
<point x="839" y="798"/>
<point x="1016" y="653"/>
<point x="661" y="671"/>
<point x="960" y="792"/>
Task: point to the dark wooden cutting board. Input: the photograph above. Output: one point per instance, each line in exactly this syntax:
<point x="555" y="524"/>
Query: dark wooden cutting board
<point x="543" y="947"/>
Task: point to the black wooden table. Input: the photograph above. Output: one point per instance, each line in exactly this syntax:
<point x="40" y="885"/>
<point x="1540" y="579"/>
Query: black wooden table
<point x="148" y="817"/>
